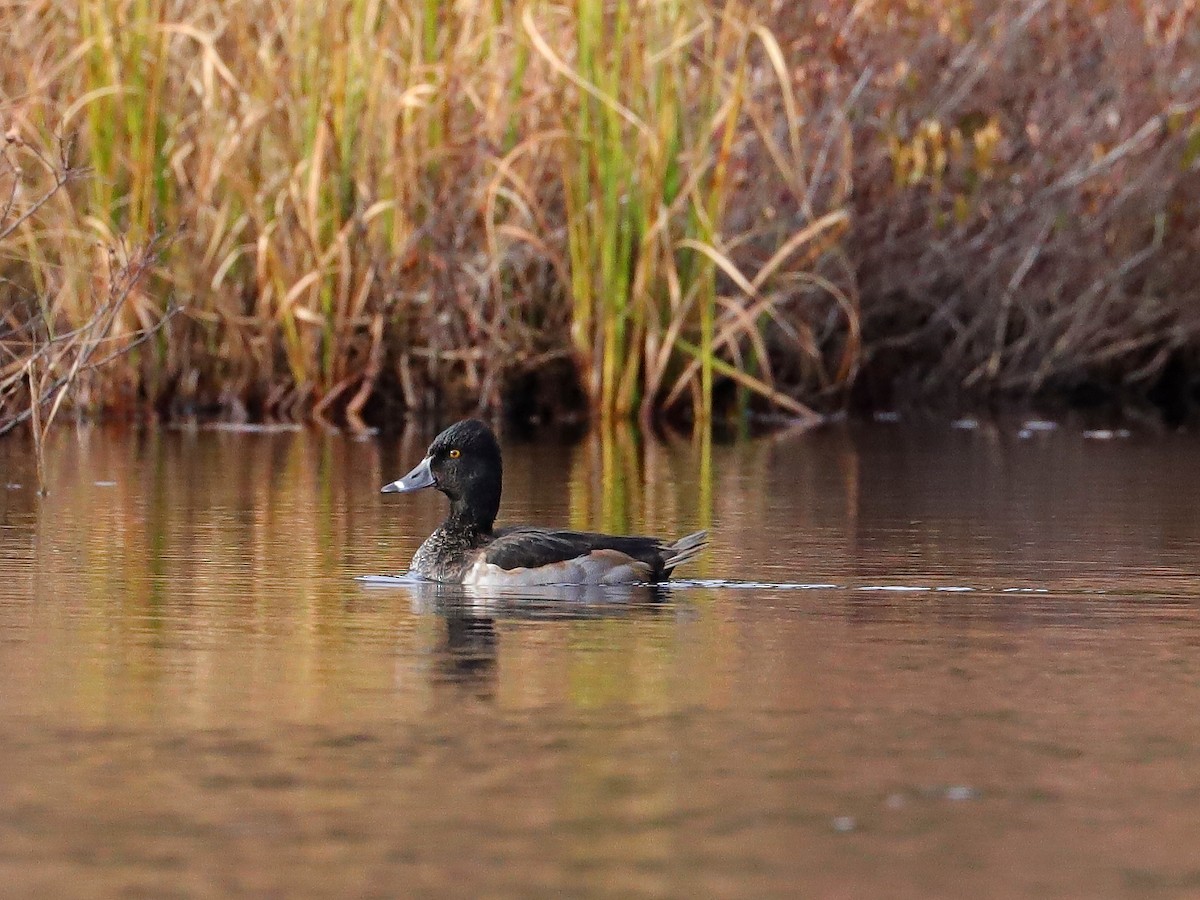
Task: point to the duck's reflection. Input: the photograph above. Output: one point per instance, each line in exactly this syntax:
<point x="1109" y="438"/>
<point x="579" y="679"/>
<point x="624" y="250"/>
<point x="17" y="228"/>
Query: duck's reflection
<point x="467" y="654"/>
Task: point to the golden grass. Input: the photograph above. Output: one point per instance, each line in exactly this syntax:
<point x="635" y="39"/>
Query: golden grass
<point x="371" y="192"/>
<point x="380" y="207"/>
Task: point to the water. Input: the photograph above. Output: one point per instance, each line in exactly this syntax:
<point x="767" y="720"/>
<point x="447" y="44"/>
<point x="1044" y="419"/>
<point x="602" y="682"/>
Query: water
<point x="916" y="661"/>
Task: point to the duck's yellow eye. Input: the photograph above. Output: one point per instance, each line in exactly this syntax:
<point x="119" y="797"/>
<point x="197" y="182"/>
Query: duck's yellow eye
<point x="455" y="454"/>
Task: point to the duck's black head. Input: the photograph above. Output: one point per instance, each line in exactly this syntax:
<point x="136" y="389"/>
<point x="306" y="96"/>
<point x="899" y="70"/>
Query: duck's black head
<point x="463" y="462"/>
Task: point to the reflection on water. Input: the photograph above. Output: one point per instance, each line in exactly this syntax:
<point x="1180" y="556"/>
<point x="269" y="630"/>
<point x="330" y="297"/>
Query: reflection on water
<point x="913" y="662"/>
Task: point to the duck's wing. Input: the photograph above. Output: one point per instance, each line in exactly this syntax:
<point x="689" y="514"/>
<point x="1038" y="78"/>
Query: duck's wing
<point x="527" y="547"/>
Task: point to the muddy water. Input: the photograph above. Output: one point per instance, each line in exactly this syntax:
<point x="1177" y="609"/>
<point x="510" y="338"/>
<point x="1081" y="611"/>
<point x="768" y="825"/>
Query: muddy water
<point x="917" y="661"/>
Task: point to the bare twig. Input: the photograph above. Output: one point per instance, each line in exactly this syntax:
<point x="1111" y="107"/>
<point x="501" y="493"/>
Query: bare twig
<point x="46" y="362"/>
<point x="63" y="173"/>
<point x="62" y="381"/>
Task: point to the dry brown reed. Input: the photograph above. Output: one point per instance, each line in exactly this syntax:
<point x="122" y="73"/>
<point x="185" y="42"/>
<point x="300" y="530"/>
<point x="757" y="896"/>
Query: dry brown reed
<point x="387" y="208"/>
<point x="1026" y="218"/>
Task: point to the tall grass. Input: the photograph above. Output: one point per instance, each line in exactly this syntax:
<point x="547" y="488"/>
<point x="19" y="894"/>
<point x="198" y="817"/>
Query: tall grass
<point x="646" y="152"/>
<point x="683" y="206"/>
<point x="414" y="202"/>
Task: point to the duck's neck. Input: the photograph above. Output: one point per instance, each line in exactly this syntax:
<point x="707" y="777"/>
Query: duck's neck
<point x="465" y="518"/>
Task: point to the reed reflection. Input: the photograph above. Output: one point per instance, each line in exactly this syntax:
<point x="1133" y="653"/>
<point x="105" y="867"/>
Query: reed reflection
<point x="623" y="481"/>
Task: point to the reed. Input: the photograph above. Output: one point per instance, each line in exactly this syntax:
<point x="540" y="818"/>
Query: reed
<point x="659" y="97"/>
<point x="689" y="207"/>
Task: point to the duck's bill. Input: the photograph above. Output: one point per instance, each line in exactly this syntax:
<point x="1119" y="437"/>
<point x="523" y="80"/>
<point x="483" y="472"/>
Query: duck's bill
<point x="420" y="477"/>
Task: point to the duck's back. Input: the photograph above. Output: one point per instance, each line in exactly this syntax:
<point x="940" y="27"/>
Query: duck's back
<point x="526" y="555"/>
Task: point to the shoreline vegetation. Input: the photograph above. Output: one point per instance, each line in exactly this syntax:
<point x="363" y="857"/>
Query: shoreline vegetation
<point x="364" y="210"/>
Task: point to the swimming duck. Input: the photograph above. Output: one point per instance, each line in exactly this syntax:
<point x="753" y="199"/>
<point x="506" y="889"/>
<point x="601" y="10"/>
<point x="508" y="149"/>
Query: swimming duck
<point x="463" y="462"/>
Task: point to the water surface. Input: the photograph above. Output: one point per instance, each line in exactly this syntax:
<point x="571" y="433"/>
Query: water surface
<point x="916" y="661"/>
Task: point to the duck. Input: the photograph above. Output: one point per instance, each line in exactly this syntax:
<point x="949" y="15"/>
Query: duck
<point x="464" y="463"/>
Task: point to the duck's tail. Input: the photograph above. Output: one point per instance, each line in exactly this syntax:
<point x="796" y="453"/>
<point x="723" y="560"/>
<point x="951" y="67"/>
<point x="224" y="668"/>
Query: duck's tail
<point x="684" y="550"/>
